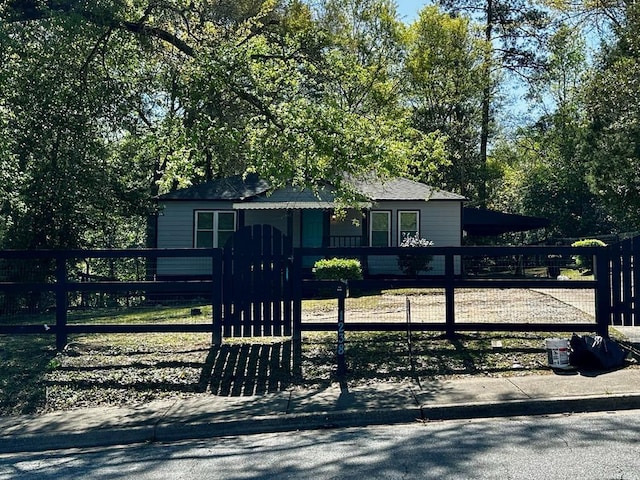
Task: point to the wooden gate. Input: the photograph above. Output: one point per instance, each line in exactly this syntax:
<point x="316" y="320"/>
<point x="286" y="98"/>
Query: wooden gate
<point x="625" y="282"/>
<point x="256" y="287"/>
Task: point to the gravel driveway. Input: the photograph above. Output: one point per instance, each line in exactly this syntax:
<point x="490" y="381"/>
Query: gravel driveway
<point x="471" y="305"/>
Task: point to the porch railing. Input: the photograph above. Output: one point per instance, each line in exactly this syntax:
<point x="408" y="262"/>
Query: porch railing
<point x="347" y="241"/>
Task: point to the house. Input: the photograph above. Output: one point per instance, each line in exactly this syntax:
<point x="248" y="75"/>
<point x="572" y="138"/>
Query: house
<point x="207" y="215"/>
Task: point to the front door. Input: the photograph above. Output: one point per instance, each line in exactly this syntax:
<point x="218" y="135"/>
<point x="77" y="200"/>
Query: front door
<point x="312" y="232"/>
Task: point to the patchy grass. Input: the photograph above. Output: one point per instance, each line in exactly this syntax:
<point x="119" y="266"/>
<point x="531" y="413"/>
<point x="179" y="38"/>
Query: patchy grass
<point x="156" y="314"/>
<point x="25" y="360"/>
<point x="380" y="356"/>
<point x="130" y="369"/>
<point x="575" y="274"/>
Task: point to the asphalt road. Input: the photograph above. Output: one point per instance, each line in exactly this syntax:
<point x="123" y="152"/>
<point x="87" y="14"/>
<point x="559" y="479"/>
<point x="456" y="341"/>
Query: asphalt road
<point x="573" y="447"/>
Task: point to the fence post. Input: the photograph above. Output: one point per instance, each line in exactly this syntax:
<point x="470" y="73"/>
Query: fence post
<point x="296" y="282"/>
<point x="295" y="279"/>
<point x="449" y="295"/>
<point x="603" y="290"/>
<point x="61" y="301"/>
<point x="216" y="305"/>
<point x="340" y="350"/>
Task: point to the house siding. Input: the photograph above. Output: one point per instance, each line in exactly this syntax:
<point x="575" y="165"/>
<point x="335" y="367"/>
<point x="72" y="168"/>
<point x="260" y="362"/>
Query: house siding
<point x="176" y="230"/>
<point x="440" y="221"/>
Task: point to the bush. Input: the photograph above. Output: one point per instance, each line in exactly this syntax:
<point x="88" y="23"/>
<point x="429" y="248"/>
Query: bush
<point x="338" y="269"/>
<point x="410" y="263"/>
<point x="585" y="262"/>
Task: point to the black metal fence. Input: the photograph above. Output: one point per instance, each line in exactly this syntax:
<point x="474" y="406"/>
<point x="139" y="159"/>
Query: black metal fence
<point x="67" y="292"/>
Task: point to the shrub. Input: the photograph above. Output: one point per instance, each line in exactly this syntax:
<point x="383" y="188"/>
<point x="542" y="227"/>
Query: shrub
<point x="411" y="263"/>
<point x="585" y="262"/>
<point x="338" y="269"/>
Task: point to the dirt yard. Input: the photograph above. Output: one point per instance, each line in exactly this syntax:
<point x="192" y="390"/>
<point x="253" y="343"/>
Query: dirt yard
<point x="471" y="305"/>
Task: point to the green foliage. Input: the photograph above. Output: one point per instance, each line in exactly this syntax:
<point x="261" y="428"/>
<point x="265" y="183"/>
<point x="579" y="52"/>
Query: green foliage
<point x="444" y="85"/>
<point x="612" y="146"/>
<point x="545" y="172"/>
<point x="106" y="104"/>
<point x="543" y="175"/>
<point x="585" y="262"/>
<point x="337" y="269"/>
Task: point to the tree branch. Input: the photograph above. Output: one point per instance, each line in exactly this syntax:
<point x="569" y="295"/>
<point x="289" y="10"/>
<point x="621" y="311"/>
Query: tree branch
<point x="159" y="33"/>
<point x="30" y="10"/>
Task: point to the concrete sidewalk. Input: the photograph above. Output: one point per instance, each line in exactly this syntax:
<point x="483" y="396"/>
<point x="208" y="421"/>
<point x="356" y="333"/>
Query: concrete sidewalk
<point x="337" y="406"/>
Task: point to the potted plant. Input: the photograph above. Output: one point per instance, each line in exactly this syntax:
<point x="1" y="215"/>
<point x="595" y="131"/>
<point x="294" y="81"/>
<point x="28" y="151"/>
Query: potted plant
<point x="413" y="263"/>
<point x="341" y="269"/>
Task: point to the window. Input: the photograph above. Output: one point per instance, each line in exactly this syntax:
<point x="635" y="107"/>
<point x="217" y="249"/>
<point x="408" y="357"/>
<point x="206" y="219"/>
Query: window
<point x="380" y="234"/>
<point x="408" y="224"/>
<point x="213" y="228"/>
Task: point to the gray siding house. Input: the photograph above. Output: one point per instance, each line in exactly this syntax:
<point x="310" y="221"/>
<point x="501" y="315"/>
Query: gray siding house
<point x="206" y="215"/>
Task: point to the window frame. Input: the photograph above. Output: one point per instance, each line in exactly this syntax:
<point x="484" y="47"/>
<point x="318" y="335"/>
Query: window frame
<point x="215" y="228"/>
<point x="417" y="230"/>
<point x="388" y="214"/>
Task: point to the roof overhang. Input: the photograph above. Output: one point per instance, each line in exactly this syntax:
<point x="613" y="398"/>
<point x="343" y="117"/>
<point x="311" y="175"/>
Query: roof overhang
<point x="293" y="205"/>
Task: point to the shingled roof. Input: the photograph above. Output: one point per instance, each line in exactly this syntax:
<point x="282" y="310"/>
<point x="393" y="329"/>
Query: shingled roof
<point x="401" y="189"/>
<point x="251" y="187"/>
<point x="237" y="187"/>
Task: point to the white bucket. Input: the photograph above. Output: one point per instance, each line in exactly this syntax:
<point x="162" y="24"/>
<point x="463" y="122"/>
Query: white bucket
<point x="558" y="352"/>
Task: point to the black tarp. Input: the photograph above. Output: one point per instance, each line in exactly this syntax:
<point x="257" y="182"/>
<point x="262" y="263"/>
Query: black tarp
<point x="483" y="222"/>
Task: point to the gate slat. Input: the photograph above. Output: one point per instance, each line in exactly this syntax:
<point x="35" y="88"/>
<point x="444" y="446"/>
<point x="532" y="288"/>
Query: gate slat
<point x="286" y="319"/>
<point x="616" y="284"/>
<point x="251" y="296"/>
<point x="627" y="291"/>
<point x="276" y="283"/>
<point x="227" y="295"/>
<point x="267" y="279"/>
<point x="257" y="249"/>
<point x="256" y="283"/>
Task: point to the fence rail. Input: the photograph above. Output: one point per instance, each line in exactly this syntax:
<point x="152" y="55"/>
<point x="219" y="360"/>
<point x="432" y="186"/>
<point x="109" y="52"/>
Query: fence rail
<point x="55" y="279"/>
<point x="59" y="281"/>
<point x="453" y="278"/>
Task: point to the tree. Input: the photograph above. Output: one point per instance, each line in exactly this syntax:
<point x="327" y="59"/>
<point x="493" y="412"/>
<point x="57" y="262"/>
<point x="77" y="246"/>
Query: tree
<point x="105" y="105"/>
<point x="612" y="145"/>
<point x="444" y="72"/>
<point x="547" y="172"/>
<point x="57" y="113"/>
<point x="541" y="181"/>
<point x="515" y="32"/>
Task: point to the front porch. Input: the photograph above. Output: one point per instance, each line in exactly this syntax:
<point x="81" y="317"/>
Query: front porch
<point x="314" y="228"/>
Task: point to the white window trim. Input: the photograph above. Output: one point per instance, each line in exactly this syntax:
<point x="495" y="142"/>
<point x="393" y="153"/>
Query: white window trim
<point x="215" y="231"/>
<point x="388" y="214"/>
<point x="400" y="212"/>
